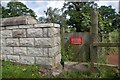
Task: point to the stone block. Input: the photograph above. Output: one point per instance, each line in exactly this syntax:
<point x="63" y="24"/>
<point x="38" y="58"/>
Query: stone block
<point x="56" y="25"/>
<point x="44" y="25"/>
<point x="27" y="60"/>
<point x="54" y="51"/>
<point x="45" y="61"/>
<point x="13" y="58"/>
<point x="26" y="42"/>
<point x="57" y="41"/>
<point x="45" y="52"/>
<point x="75" y="66"/>
<point x="53" y="32"/>
<point x="6" y="50"/>
<point x="6" y="33"/>
<point x="11" y="27"/>
<point x="12" y="42"/>
<point x="2" y="28"/>
<point x="3" y="57"/>
<point x="58" y="59"/>
<point x="44" y="42"/>
<point x="45" y="32"/>
<point x="32" y="32"/>
<point x="47" y="42"/>
<point x="20" y="50"/>
<point x="21" y="20"/>
<point x="36" y="52"/>
<point x="2" y="42"/>
<point x="25" y="26"/>
<point x="17" y="33"/>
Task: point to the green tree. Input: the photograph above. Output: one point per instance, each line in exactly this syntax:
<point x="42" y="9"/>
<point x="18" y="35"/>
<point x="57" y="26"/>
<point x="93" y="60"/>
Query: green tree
<point x="3" y="12"/>
<point x="52" y="15"/>
<point x="55" y="16"/>
<point x="108" y="19"/>
<point x="42" y="19"/>
<point x="108" y="22"/>
<point x="15" y="8"/>
<point x="79" y="13"/>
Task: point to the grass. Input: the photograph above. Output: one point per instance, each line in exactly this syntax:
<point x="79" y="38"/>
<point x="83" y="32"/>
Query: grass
<point x="103" y="72"/>
<point x="12" y="70"/>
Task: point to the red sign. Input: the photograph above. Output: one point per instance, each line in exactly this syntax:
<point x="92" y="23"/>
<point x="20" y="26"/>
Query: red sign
<point x="75" y="40"/>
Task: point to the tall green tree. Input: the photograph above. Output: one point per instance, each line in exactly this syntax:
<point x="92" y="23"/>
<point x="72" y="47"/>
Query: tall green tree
<point x="55" y="16"/>
<point x="15" y="8"/>
<point x="108" y="22"/>
<point x="52" y="15"/>
<point x="79" y="13"/>
<point x="108" y="19"/>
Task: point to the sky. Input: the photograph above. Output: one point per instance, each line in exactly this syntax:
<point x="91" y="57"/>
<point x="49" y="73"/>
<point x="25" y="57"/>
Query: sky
<point x="39" y="6"/>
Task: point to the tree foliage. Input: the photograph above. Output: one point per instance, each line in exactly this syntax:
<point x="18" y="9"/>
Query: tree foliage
<point x="3" y="12"/>
<point x="55" y="16"/>
<point x="42" y="19"/>
<point x="79" y="13"/>
<point x="52" y="15"/>
<point x="108" y="19"/>
<point x="16" y="9"/>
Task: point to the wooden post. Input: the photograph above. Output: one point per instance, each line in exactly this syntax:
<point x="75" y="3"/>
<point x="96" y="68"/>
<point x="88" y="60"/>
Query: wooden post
<point x="62" y="43"/>
<point x="93" y="36"/>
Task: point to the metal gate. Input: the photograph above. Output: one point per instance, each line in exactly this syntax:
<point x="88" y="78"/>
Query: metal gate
<point x="77" y="52"/>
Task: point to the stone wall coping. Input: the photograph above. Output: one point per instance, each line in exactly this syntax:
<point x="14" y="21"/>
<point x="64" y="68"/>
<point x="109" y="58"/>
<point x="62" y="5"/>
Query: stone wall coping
<point x="47" y="25"/>
<point x="23" y="21"/>
<point x="20" y="20"/>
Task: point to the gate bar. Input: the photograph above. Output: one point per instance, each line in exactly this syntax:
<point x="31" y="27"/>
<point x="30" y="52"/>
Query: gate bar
<point x="102" y="44"/>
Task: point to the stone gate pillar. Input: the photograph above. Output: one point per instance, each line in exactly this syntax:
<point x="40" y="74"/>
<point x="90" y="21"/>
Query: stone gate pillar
<point x="25" y="41"/>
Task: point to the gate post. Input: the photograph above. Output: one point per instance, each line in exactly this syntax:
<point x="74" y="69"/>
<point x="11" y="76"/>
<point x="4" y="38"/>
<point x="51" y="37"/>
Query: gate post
<point x="93" y="36"/>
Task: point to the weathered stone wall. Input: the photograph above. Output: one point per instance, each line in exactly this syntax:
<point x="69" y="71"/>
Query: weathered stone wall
<point x="31" y="43"/>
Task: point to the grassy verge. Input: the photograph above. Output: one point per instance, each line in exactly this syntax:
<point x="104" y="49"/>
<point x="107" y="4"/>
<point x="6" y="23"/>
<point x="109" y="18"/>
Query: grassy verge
<point x="12" y="70"/>
<point x="103" y="72"/>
